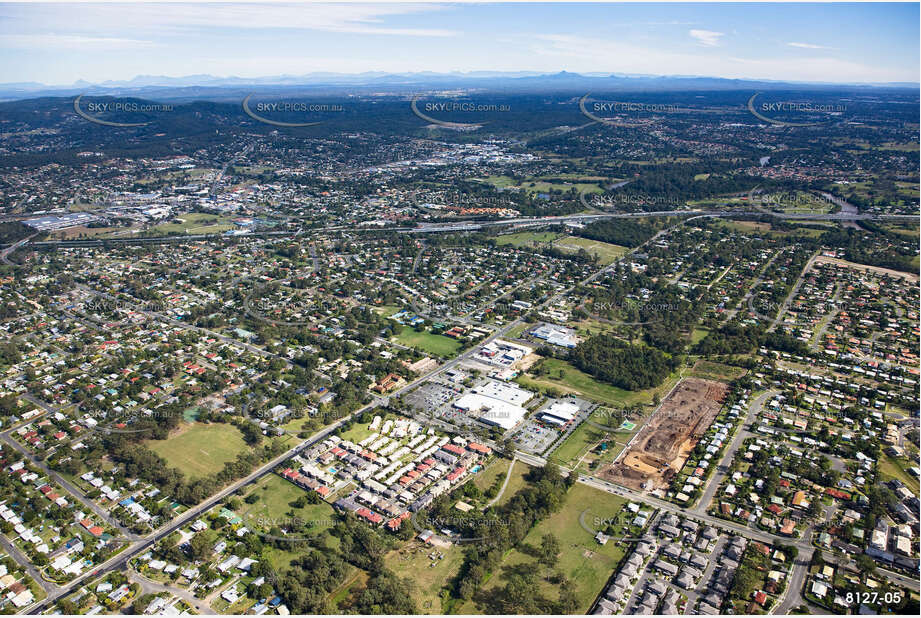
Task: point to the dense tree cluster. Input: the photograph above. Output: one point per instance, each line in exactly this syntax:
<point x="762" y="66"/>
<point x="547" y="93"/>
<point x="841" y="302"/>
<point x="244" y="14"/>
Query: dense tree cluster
<point x="875" y="247"/>
<point x="626" y="232"/>
<point x="628" y="366"/>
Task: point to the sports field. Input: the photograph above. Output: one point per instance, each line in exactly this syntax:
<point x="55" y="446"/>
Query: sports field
<point x="526" y="239"/>
<point x="200" y="449"/>
<point x="431" y="343"/>
<point x="605" y="251"/>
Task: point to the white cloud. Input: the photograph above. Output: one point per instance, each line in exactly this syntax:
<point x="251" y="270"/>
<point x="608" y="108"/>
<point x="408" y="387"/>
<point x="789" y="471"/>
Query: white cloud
<point x="707" y="38"/>
<point x="69" y="41"/>
<point x="807" y="46"/>
<point x="153" y="20"/>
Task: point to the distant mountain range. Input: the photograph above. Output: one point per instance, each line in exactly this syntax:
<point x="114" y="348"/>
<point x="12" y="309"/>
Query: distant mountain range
<point x="210" y="87"/>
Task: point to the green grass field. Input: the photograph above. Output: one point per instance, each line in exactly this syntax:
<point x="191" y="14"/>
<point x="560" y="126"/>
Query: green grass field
<point x="589" y="326"/>
<point x="200" y="449"/>
<point x="715" y="371"/>
<point x="585" y="437"/>
<point x="273" y="507"/>
<point x="498" y="469"/>
<point x="576" y="381"/>
<point x="359" y="431"/>
<point x="537" y="185"/>
<point x="355" y="581"/>
<point x="903" y="231"/>
<point x="426" y="341"/>
<point x="525" y="239"/>
<point x="894" y="468"/>
<point x="745" y="226"/>
<point x="582" y="560"/>
<point x="196" y="223"/>
<point x="698" y="335"/>
<point x="518" y="330"/>
<point x="387" y="310"/>
<point x="606" y="252"/>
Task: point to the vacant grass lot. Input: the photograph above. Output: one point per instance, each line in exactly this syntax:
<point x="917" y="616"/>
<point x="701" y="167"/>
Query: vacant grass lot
<point x="606" y="252"/>
<point x="388" y="310"/>
<point x="524" y="239"/>
<point x="438" y="345"/>
<point x="359" y="431"/>
<point x="578" y="382"/>
<point x="537" y="185"/>
<point x="199" y="449"/>
<point x="895" y="468"/>
<point x="430" y="568"/>
<point x="715" y="371"/>
<point x="518" y="330"/>
<point x="499" y="469"/>
<point x="274" y="506"/>
<point x="585" y="563"/>
<point x="767" y="228"/>
<point x="353" y="583"/>
<point x="698" y="334"/>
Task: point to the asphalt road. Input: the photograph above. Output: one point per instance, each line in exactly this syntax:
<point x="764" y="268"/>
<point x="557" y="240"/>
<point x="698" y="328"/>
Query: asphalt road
<point x="723" y="467"/>
<point x="119" y="561"/>
<point x="67" y="485"/>
<point x="804" y="544"/>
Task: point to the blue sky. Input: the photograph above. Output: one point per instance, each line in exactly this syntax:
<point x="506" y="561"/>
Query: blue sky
<point x="58" y="44"/>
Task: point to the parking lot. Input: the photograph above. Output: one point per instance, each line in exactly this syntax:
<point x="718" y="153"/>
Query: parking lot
<point x="536" y="436"/>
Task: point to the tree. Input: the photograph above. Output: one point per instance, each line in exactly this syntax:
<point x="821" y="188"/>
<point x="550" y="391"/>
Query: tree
<point x="568" y="602"/>
<point x="518" y="595"/>
<point x="549" y="550"/>
<point x="866" y="564"/>
<point x="200" y="547"/>
<point x="815" y="509"/>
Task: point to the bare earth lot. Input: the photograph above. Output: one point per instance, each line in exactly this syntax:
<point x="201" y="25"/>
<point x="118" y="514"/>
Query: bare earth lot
<point x="662" y="446"/>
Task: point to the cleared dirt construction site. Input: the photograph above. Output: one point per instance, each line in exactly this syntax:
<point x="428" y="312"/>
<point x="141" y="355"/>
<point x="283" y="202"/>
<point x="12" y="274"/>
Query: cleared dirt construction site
<point x="660" y="449"/>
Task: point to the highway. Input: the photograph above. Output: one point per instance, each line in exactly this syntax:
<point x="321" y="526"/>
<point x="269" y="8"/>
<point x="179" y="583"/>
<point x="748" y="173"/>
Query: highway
<point x="5" y="254"/>
<point x="473" y="225"/>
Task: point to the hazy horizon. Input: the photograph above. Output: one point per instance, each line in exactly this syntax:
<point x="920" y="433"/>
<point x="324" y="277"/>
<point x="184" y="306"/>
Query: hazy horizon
<point x="825" y="42"/>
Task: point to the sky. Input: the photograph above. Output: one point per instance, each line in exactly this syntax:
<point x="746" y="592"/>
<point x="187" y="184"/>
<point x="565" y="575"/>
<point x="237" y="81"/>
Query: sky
<point x="58" y="44"/>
